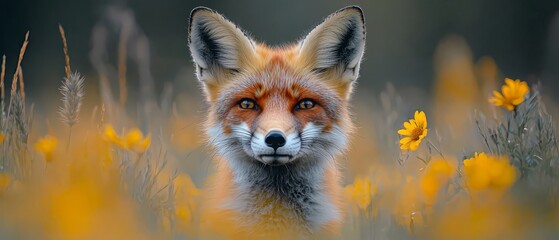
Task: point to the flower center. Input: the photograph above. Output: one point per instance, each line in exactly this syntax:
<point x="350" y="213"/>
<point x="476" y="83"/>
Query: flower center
<point x="415" y="133"/>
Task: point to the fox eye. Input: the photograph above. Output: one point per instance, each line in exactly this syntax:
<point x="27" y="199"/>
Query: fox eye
<point x="305" y="104"/>
<point x="247" y="104"/>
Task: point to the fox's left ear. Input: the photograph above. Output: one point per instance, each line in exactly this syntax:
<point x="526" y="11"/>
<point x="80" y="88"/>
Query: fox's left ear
<point x="336" y="46"/>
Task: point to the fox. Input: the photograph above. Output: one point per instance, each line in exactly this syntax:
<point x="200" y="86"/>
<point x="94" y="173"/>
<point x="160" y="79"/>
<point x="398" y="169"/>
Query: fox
<point x="278" y="120"/>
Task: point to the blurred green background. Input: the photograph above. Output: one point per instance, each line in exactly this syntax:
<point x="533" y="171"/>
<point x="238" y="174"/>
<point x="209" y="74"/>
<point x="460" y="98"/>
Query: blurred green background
<point x="522" y="36"/>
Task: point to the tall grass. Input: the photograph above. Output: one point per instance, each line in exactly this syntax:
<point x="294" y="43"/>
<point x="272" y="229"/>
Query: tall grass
<point x="119" y="177"/>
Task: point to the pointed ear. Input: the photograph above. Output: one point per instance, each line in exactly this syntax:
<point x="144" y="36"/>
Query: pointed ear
<point x="336" y="46"/>
<point x="218" y="47"/>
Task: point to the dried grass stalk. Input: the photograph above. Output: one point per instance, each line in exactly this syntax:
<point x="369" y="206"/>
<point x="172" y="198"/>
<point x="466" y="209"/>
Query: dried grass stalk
<point x="19" y="119"/>
<point x="72" y="91"/>
<point x="21" y="84"/>
<point x="18" y="68"/>
<point x="67" y="68"/>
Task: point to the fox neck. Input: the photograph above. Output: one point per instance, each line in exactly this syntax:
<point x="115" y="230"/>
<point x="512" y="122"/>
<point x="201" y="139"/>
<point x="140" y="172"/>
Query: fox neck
<point x="284" y="195"/>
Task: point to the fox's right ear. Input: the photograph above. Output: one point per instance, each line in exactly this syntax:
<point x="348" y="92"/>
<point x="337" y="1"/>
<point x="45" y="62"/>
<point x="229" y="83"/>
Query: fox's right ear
<point x="218" y="47"/>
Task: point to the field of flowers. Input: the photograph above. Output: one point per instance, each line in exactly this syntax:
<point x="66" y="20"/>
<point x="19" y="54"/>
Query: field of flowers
<point x="477" y="161"/>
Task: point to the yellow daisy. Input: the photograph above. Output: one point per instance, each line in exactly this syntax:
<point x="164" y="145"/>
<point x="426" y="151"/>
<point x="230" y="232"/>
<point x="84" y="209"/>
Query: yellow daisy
<point x="47" y="146"/>
<point x="436" y="175"/>
<point x="132" y="140"/>
<point x="489" y="172"/>
<point x="414" y="131"/>
<point x="512" y="94"/>
<point x="360" y="193"/>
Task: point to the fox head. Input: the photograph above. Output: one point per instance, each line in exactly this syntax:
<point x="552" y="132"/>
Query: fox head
<point x="278" y="105"/>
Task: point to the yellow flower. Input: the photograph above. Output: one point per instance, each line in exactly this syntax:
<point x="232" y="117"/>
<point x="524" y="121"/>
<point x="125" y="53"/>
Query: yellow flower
<point x="133" y="140"/>
<point x="361" y="192"/>
<point x="488" y="172"/>
<point x="143" y="145"/>
<point x="2" y="137"/>
<point x="46" y="146"/>
<point x="436" y="175"/>
<point x="4" y="182"/>
<point x="513" y="94"/>
<point x="110" y="134"/>
<point x="186" y="197"/>
<point x="414" y="131"/>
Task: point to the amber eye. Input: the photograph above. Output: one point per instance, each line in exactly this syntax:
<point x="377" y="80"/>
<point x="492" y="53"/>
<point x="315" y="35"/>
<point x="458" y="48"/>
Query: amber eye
<point x="305" y="104"/>
<point x="247" y="104"/>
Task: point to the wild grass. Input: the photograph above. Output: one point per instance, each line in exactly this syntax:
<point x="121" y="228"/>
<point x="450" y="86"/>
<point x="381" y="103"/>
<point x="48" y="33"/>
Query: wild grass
<point x="120" y="177"/>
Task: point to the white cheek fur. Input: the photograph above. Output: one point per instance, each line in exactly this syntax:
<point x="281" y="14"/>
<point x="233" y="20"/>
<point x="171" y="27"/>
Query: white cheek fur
<point x="311" y="144"/>
<point x="323" y="145"/>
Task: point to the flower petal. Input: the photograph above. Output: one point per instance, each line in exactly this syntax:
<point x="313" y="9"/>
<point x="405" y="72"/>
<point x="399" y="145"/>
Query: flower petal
<point x="404" y="132"/>
<point x="414" y="145"/>
<point x="408" y="126"/>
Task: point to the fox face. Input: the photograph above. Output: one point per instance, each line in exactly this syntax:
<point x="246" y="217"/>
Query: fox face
<point x="278" y="117"/>
<point x="278" y="106"/>
<point x="279" y="122"/>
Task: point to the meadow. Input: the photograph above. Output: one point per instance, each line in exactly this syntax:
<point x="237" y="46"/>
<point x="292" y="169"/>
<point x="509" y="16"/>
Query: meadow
<point x="478" y="161"/>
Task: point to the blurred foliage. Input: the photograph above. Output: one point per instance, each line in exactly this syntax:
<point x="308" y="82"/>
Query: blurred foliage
<point x="135" y="169"/>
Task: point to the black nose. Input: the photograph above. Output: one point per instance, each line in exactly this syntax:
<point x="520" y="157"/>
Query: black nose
<point x="275" y="139"/>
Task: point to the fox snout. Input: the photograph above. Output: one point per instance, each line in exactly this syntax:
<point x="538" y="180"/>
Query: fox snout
<point x="275" y="139"/>
<point x="275" y="146"/>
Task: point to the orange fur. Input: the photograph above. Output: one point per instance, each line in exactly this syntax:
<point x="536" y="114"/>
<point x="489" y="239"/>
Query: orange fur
<point x="224" y="223"/>
<point x="234" y="68"/>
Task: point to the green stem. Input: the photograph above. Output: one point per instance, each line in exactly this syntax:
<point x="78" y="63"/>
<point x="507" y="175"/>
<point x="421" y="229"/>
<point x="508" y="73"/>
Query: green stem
<point x="69" y="138"/>
<point x="436" y="149"/>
